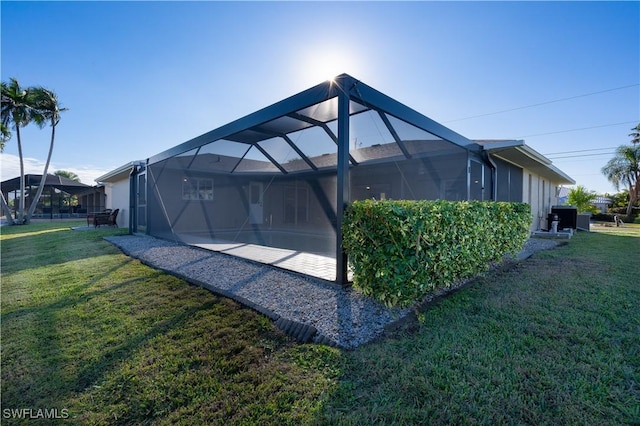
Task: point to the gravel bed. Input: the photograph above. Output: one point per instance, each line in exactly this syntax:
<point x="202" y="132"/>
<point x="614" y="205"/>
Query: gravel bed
<point x="310" y="309"/>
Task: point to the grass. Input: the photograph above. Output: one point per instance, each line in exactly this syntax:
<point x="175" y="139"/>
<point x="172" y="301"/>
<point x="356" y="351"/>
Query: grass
<point x="554" y="340"/>
<point x="88" y="330"/>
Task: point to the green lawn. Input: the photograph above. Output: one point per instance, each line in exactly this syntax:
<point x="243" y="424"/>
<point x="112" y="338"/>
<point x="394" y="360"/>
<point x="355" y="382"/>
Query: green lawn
<point x="554" y="340"/>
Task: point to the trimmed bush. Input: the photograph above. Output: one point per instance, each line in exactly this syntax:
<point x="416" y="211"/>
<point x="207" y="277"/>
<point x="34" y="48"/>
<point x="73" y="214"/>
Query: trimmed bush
<point x="402" y="250"/>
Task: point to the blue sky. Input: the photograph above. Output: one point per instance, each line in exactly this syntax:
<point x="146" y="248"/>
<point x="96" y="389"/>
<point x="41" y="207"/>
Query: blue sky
<point x="141" y="77"/>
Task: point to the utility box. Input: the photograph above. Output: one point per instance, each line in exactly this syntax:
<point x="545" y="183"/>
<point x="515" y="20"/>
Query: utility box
<point x="568" y="216"/>
<point x="584" y="222"/>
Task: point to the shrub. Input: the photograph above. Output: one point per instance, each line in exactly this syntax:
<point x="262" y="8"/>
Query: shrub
<point x="609" y="217"/>
<point x="402" y="250"/>
<point x="602" y="217"/>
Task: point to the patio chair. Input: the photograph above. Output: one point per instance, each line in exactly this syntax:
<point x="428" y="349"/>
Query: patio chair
<point x="92" y="215"/>
<point x="106" y="219"/>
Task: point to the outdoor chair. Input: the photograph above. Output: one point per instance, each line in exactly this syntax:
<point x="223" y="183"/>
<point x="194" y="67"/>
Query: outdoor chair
<point x="91" y="216"/>
<point x="106" y="219"/>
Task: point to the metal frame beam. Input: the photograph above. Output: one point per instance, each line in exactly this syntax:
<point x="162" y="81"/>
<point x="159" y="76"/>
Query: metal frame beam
<point x="372" y="98"/>
<point x="270" y="158"/>
<point x="343" y="195"/>
<point x="395" y="135"/>
<point x="302" y="100"/>
<point x="324" y="127"/>
<point x="288" y="140"/>
<point x="299" y="152"/>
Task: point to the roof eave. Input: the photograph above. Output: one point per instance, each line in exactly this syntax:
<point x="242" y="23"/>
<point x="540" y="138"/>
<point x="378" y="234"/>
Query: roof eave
<point x="536" y="161"/>
<point x="117" y="174"/>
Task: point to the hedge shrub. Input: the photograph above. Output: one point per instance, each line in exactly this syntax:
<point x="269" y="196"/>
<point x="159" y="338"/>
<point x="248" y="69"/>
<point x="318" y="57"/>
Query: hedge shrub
<point x="609" y="217"/>
<point x="402" y="250"/>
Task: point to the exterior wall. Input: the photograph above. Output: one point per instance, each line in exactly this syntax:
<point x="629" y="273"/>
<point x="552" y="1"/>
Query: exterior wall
<point x="117" y="197"/>
<point x="510" y="182"/>
<point x="541" y="195"/>
<point x="518" y="184"/>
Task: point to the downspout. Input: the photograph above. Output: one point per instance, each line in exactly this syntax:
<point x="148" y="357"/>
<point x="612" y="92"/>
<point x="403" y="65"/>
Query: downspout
<point x="133" y="196"/>
<point x="132" y="199"/>
<point x="494" y="175"/>
<point x="468" y="175"/>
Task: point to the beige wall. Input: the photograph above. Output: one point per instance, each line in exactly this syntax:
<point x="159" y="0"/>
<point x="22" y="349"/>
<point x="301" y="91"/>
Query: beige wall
<point x="540" y="193"/>
<point x="118" y="198"/>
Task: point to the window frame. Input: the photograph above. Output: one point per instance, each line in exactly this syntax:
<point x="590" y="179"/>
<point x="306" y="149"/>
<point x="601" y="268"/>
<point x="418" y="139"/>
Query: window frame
<point x="197" y="189"/>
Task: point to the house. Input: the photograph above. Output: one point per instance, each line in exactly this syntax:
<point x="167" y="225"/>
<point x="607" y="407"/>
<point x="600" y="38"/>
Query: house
<point x="116" y="187"/>
<point x="61" y="197"/>
<point x="563" y="196"/>
<point x="602" y="203"/>
<point x="527" y="176"/>
<point x="281" y="177"/>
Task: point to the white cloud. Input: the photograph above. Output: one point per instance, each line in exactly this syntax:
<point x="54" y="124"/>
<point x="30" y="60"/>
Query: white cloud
<point x="11" y="168"/>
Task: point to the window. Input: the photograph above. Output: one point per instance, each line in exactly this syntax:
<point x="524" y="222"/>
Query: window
<point x="197" y="189"/>
<point x="296" y="205"/>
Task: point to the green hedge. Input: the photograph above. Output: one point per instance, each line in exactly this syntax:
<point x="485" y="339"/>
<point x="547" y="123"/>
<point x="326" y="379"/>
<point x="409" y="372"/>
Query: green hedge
<point x="402" y="250"/>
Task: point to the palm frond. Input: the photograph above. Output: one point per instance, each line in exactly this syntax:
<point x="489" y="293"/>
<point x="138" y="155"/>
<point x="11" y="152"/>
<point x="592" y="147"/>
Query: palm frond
<point x="46" y="105"/>
<point x="624" y="167"/>
<point x="5" y="135"/>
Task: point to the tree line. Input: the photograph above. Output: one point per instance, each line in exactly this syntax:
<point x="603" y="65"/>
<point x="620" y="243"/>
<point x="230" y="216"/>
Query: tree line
<point x="623" y="170"/>
<point x="22" y="106"/>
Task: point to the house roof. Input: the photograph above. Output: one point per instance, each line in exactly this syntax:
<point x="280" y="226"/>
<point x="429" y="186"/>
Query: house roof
<point x="520" y="154"/>
<point x="600" y="199"/>
<point x="59" y="182"/>
<point x="118" y="174"/>
<point x="218" y="163"/>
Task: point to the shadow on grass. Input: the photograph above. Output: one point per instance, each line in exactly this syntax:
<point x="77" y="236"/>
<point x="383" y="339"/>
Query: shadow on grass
<point x="92" y="373"/>
<point x="72" y="343"/>
<point x="76" y="296"/>
<point x="44" y="247"/>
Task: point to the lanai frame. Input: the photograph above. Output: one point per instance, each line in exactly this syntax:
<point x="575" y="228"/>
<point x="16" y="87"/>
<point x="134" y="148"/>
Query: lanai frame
<point x="283" y="118"/>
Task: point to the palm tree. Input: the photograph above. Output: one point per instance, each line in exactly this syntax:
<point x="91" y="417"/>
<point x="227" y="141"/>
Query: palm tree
<point x="5" y="135"/>
<point x="635" y="135"/>
<point x="16" y="109"/>
<point x="583" y="199"/>
<point x="624" y="170"/>
<point x="69" y="175"/>
<point x="46" y="110"/>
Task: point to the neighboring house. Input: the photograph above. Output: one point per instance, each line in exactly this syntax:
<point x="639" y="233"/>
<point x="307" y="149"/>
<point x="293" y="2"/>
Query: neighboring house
<point x="602" y="203"/>
<point x="563" y="197"/>
<point x="282" y="176"/>
<point x="116" y="186"/>
<point x="61" y="197"/>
